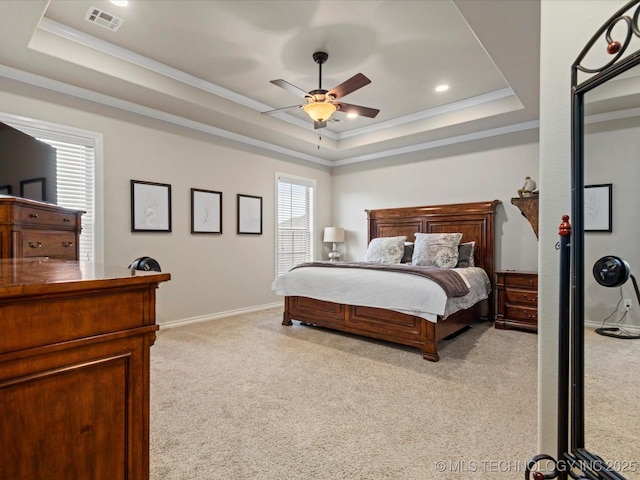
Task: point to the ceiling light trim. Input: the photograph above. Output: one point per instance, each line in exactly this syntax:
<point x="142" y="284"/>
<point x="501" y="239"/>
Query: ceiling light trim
<point x="89" y="41"/>
<point x="432" y="112"/>
<point x="69" y="33"/>
<point x="493" y="132"/>
<point x="84" y="94"/>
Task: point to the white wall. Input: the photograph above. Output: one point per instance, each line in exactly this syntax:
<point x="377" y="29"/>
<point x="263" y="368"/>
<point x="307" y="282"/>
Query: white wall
<point x="611" y="156"/>
<point x="468" y="173"/>
<point x="211" y="274"/>
<point x="566" y="26"/>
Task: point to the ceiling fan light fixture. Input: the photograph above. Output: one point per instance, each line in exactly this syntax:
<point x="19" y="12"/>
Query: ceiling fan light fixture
<point x="320" y="111"/>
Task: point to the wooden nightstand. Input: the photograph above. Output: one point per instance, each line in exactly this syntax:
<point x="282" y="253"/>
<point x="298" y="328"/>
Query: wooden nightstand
<point x="517" y="300"/>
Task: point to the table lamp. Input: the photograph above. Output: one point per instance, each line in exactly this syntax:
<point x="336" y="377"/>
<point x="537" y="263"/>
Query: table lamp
<point x="334" y="235"/>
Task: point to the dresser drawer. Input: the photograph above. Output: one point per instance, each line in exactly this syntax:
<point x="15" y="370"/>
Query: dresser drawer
<point x="521" y="313"/>
<point x="37" y="217"/>
<point x="522" y="297"/>
<point x="49" y="244"/>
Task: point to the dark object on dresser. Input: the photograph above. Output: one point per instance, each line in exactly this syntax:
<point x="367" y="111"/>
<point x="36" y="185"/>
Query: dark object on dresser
<point x="476" y="223"/>
<point x="517" y="300"/>
<point x="74" y="370"/>
<point x="146" y="264"/>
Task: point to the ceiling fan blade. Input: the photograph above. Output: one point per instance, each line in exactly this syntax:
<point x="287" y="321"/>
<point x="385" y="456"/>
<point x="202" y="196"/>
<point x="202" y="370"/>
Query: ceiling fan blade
<point x="292" y="88"/>
<point x="277" y="110"/>
<point x="357" y="109"/>
<point x="317" y="125"/>
<point x="351" y="85"/>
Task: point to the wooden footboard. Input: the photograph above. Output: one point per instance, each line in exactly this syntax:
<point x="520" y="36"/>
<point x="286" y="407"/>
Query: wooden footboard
<point x="476" y="223"/>
<point x="379" y="323"/>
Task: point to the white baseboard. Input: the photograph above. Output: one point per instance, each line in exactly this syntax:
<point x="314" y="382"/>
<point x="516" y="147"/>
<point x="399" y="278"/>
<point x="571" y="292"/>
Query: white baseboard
<point x="593" y="325"/>
<point x="230" y="313"/>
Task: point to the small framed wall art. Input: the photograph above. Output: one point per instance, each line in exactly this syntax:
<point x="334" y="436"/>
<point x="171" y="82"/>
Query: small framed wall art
<point x="597" y="208"/>
<point x="249" y="214"/>
<point x="33" y="189"/>
<point x="5" y="189"/>
<point x="150" y="207"/>
<point x="206" y="211"/>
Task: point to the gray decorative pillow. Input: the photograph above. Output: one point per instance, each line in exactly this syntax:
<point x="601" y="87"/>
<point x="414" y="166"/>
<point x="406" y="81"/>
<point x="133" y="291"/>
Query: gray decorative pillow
<point x="385" y="250"/>
<point x="408" y="252"/>
<point x="436" y="249"/>
<point x="465" y="255"/>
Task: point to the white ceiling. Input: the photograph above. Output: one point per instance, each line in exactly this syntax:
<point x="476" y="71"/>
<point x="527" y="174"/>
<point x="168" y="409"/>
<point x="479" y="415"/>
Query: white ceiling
<point x="207" y="65"/>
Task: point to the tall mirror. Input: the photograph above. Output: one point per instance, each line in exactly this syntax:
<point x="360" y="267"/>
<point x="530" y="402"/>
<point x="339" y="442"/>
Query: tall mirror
<point x="605" y="308"/>
<point x="611" y="263"/>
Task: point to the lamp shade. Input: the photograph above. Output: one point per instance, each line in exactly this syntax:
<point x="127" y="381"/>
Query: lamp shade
<point x="334" y="234"/>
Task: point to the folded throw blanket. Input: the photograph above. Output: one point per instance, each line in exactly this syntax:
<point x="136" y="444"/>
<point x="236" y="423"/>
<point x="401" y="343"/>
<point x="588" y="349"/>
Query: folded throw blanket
<point x="450" y="280"/>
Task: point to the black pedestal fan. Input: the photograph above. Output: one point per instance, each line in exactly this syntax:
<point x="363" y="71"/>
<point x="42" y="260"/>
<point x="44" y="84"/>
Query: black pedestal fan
<point x="612" y="271"/>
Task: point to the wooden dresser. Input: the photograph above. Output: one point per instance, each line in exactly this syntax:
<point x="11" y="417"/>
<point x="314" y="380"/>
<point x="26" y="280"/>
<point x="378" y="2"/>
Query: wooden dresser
<point x="517" y="300"/>
<point x="74" y="370"/>
<point x="36" y="229"/>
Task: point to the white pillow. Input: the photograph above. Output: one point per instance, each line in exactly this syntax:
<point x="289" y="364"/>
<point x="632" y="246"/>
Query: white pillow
<point x="436" y="249"/>
<point x="385" y="250"/>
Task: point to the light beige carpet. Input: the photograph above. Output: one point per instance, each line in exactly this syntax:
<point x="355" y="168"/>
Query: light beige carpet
<point x="612" y="399"/>
<point x="247" y="398"/>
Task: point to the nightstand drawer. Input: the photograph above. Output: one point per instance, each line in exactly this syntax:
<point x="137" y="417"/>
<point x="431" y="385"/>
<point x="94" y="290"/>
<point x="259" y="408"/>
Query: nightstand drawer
<point x="521" y="313"/>
<point x="516" y="300"/>
<point x="521" y="280"/>
<point x="522" y="297"/>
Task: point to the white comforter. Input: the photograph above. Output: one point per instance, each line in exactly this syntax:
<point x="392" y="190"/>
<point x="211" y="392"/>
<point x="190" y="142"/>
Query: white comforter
<point x="401" y="292"/>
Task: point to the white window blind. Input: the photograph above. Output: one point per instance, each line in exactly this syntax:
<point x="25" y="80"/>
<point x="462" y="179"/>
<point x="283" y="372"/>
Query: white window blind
<point x="75" y="177"/>
<point x="295" y="222"/>
<point x="75" y="174"/>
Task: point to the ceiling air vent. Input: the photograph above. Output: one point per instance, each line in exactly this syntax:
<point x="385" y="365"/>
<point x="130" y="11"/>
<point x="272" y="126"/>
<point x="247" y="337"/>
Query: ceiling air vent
<point x="104" y="19"/>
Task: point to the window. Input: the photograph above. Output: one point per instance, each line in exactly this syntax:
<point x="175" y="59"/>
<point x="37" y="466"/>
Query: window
<point x="75" y="170"/>
<point x="295" y="213"/>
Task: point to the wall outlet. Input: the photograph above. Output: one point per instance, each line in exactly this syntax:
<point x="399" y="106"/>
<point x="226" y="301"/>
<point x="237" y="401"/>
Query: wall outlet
<point x="627" y="303"/>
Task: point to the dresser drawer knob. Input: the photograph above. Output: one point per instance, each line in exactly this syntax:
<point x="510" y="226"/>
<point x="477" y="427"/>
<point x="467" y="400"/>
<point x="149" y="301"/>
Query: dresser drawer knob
<point x="67" y="244"/>
<point x="66" y="220"/>
<point x="35" y="244"/>
<point x="33" y="215"/>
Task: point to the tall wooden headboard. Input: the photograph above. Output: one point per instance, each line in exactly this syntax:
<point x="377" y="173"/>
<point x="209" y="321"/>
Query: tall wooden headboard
<point x="474" y="220"/>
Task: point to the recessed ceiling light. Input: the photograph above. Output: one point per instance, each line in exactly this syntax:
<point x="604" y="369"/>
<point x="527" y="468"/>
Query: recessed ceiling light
<point x="120" y="3"/>
<point x="442" y="88"/>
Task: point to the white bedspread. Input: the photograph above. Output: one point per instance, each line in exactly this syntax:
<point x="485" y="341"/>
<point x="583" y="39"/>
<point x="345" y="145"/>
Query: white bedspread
<point x="401" y="292"/>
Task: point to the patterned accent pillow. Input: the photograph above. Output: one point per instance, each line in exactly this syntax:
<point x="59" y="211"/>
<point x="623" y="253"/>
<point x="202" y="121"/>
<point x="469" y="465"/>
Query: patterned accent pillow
<point x="465" y="255"/>
<point x="385" y="250"/>
<point x="436" y="249"/>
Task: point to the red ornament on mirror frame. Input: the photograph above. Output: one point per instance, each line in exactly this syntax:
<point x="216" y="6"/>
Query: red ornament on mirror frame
<point x="613" y="47"/>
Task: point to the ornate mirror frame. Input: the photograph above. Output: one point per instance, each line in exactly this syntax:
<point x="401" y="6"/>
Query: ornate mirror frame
<point x="573" y="459"/>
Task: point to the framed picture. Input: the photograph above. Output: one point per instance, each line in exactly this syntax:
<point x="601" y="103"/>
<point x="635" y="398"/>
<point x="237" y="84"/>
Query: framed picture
<point x="5" y="189"/>
<point x="150" y="207"/>
<point x="33" y="189"/>
<point x="249" y="214"/>
<point x="206" y="211"/>
<point x="597" y="208"/>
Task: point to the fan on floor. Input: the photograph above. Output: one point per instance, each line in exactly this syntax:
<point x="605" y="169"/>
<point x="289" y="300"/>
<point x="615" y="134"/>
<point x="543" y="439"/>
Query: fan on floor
<point x="321" y="104"/>
<point x="612" y="271"/>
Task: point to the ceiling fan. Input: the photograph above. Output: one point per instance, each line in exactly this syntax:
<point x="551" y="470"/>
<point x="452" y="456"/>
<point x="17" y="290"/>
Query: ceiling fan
<point x="321" y="104"/>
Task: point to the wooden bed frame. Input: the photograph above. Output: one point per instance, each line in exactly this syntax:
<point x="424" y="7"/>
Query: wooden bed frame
<point x="476" y="223"/>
